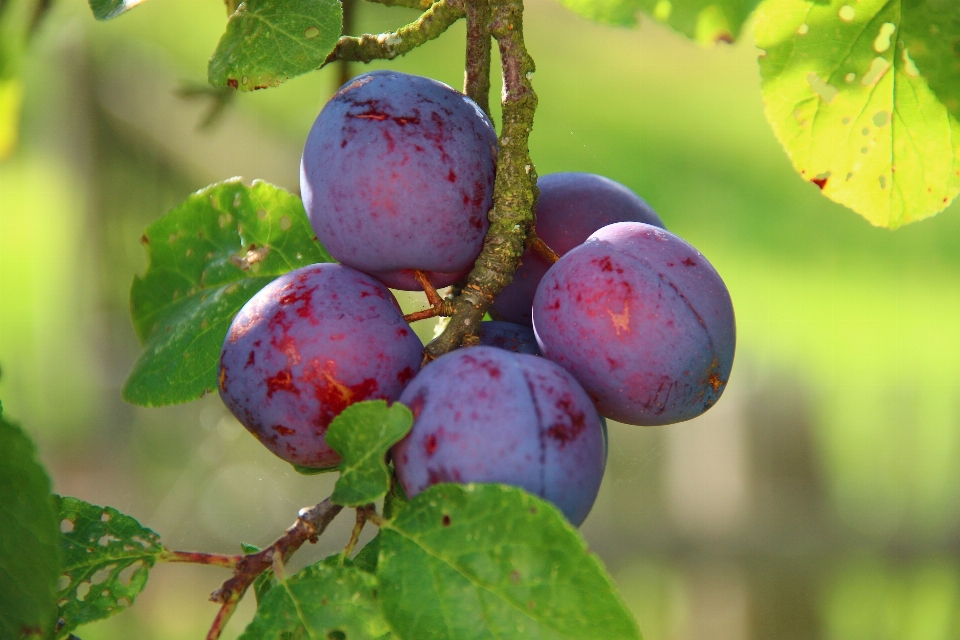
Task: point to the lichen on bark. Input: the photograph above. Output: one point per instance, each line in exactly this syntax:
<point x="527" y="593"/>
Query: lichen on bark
<point x="514" y="193"/>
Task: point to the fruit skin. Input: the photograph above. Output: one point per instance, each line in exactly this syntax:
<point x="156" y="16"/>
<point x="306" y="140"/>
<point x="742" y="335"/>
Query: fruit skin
<point x="571" y="206"/>
<point x="397" y="174"/>
<point x="509" y="336"/>
<point x="642" y="320"/>
<point x="308" y="345"/>
<point x="483" y="414"/>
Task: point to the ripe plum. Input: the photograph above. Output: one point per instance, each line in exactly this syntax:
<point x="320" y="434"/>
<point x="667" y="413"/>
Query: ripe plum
<point x="308" y="345"/>
<point x="397" y="174"/>
<point x="509" y="336"/>
<point x="642" y="320"/>
<point x="571" y="206"/>
<point x="487" y="415"/>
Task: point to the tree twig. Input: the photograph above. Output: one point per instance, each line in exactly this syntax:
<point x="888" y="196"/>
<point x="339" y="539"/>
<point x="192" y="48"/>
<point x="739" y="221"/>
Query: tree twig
<point x="409" y="4"/>
<point x="476" y="83"/>
<point x="514" y="193"/>
<point x="311" y="522"/>
<point x="211" y="559"/>
<point x="433" y="22"/>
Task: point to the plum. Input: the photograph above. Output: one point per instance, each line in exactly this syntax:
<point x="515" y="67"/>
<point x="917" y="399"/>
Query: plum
<point x="642" y="320"/>
<point x="509" y="336"/>
<point x="483" y="414"/>
<point x="306" y="346"/>
<point x="571" y="207"/>
<point x="397" y="175"/>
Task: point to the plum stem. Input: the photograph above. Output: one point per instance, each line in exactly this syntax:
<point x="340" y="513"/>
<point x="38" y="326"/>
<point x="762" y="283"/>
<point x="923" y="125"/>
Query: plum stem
<point x="355" y="534"/>
<point x="432" y="296"/>
<point x="515" y="188"/>
<point x="430" y="25"/>
<point x="541" y="248"/>
<point x="476" y="83"/>
<point x="211" y="559"/>
<point x="311" y="523"/>
<point x="231" y="6"/>
<point x="438" y="306"/>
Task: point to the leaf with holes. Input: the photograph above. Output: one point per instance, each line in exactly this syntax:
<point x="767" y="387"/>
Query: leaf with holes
<point x="106" y="9"/>
<point x="706" y="21"/>
<point x="323" y="600"/>
<point x="207" y="257"/>
<point x="270" y="41"/>
<point x="106" y="559"/>
<point x="363" y="434"/>
<point x="29" y="540"/>
<point x="492" y="561"/>
<point x="856" y="114"/>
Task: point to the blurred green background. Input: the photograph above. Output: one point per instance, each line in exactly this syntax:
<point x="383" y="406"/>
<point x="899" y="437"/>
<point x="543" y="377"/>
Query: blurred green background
<point x="819" y="499"/>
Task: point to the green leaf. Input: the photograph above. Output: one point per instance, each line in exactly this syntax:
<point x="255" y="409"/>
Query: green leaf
<point x="706" y="21"/>
<point x="363" y="434"/>
<point x="323" y="600"/>
<point x="270" y="41"/>
<point x="106" y="559"/>
<point x="492" y="561"/>
<point x="207" y="258"/>
<point x="366" y="559"/>
<point x="931" y="34"/>
<point x="29" y="540"/>
<point x="852" y="107"/>
<point x="106" y="9"/>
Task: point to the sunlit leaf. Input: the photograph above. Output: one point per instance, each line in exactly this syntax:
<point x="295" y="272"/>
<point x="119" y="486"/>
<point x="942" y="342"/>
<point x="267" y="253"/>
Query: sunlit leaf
<point x="854" y="111"/>
<point x="321" y="601"/>
<point x="106" y="9"/>
<point x="207" y="257"/>
<point x="363" y="434"/>
<point x="29" y="540"/>
<point x="491" y="561"/>
<point x="270" y="41"/>
<point x="106" y="559"/>
<point x="706" y="21"/>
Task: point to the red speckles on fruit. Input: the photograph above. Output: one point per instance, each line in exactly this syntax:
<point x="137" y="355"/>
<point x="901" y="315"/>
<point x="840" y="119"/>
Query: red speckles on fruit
<point x="430" y="445"/>
<point x="291" y="372"/>
<point x="281" y="381"/>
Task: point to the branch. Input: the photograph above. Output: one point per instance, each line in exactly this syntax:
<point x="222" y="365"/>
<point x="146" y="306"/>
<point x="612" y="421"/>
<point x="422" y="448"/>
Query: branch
<point x="433" y="22"/>
<point x="311" y="522"/>
<point x="231" y="6"/>
<point x="211" y="559"/>
<point x="514" y="192"/>
<point x="476" y="83"/>
<point x="409" y="4"/>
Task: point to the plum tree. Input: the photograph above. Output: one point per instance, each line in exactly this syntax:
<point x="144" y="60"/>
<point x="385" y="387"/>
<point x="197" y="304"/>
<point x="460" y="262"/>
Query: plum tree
<point x="510" y="336"/>
<point x="571" y="206"/>
<point x="397" y="174"/>
<point x="488" y="415"/>
<point x="642" y="320"/>
<point x="305" y="347"/>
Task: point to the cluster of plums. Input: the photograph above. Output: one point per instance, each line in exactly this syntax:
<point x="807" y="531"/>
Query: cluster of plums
<point x="632" y="323"/>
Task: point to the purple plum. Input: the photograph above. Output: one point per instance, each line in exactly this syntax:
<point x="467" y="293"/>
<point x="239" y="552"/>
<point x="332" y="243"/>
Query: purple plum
<point x="483" y="414"/>
<point x="397" y="175"/>
<point x="509" y="336"/>
<point x="571" y="207"/>
<point x="305" y="347"/>
<point x="642" y="320"/>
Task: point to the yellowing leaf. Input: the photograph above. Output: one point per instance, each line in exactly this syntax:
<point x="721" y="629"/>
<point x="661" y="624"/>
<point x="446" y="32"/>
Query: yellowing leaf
<point x="853" y="110"/>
